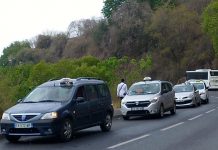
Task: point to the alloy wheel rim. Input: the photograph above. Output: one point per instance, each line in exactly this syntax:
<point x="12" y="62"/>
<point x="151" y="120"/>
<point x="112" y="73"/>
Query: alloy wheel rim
<point x="67" y="129"/>
<point x="108" y="121"/>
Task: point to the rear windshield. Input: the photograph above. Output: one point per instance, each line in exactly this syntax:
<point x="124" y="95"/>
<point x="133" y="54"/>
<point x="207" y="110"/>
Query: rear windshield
<point x="183" y="88"/>
<point x="49" y="94"/>
<point x="144" y="89"/>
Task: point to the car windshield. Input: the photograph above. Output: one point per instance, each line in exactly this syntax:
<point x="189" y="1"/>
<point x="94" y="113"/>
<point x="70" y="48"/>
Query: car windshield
<point x="49" y="94"/>
<point x="199" y="86"/>
<point x="143" y="89"/>
<point x="183" y="88"/>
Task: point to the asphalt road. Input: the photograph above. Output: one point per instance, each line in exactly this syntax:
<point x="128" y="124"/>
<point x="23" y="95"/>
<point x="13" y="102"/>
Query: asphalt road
<point x="189" y="129"/>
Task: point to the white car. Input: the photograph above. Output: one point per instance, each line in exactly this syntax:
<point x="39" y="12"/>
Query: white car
<point x="186" y="95"/>
<point x="203" y="90"/>
<point x="148" y="98"/>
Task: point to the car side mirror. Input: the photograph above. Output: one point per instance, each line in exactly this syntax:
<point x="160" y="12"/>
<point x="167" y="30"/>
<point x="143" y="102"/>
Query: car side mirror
<point x="80" y="99"/>
<point x="19" y="100"/>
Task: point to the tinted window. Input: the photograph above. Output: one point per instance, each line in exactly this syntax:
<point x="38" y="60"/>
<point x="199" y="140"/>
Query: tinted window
<point x="214" y="73"/>
<point x="80" y="92"/>
<point x="91" y="92"/>
<point x="196" y="75"/>
<point x="103" y="90"/>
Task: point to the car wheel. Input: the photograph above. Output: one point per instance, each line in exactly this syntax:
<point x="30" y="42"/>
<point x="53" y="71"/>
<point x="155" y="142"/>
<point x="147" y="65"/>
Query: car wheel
<point x="66" y="130"/>
<point x="12" y="138"/>
<point x="161" y="111"/>
<point x="107" y="123"/>
<point x="125" y="117"/>
<point x="173" y="110"/>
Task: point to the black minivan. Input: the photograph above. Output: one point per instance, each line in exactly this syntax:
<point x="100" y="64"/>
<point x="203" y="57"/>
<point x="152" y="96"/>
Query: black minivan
<point x="60" y="107"/>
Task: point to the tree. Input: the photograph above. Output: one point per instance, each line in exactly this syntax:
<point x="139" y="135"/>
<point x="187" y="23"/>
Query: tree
<point x="210" y="23"/>
<point x="9" y="53"/>
<point x="110" y="6"/>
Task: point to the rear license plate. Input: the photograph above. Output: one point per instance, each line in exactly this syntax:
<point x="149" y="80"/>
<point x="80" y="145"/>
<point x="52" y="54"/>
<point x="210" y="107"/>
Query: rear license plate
<point x="23" y="125"/>
<point x="137" y="108"/>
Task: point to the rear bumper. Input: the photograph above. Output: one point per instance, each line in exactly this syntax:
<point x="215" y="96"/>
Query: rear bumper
<point x="39" y="128"/>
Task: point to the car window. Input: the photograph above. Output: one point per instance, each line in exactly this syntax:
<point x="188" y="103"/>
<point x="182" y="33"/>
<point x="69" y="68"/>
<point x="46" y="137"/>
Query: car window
<point x="103" y="90"/>
<point x="183" y="88"/>
<point x="49" y="94"/>
<point x="91" y="92"/>
<point x="199" y="86"/>
<point x="143" y="89"/>
<point x="80" y="92"/>
<point x="165" y="87"/>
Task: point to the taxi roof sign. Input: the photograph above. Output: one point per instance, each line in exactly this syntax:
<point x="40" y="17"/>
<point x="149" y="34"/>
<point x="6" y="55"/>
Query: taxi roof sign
<point x="147" y="79"/>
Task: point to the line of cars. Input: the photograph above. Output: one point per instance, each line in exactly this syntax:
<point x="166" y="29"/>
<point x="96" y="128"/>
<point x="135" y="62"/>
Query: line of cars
<point x="61" y="107"/>
<point x="155" y="97"/>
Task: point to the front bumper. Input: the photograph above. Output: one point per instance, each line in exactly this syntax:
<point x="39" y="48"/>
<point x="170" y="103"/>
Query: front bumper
<point x="38" y="128"/>
<point x="152" y="108"/>
<point x="184" y="102"/>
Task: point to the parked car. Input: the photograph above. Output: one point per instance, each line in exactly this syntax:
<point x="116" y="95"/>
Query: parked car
<point x="186" y="95"/>
<point x="60" y="107"/>
<point x="202" y="88"/>
<point x="148" y="98"/>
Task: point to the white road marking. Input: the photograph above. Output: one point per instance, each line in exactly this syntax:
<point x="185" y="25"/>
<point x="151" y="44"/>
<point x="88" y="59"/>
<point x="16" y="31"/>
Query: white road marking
<point x="129" y="141"/>
<point x="172" y="126"/>
<point x="195" y="117"/>
<point x="210" y="111"/>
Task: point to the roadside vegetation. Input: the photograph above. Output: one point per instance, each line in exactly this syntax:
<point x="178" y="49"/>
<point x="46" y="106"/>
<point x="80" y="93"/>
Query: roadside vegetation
<point x="136" y="38"/>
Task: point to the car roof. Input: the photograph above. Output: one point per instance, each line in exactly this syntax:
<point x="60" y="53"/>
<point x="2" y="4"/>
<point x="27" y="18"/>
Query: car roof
<point x="195" y="81"/>
<point x="70" y="81"/>
<point x="150" y="81"/>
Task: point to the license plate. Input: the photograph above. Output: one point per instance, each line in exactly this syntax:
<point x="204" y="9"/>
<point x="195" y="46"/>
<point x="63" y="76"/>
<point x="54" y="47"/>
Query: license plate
<point x="22" y="125"/>
<point x="137" y="108"/>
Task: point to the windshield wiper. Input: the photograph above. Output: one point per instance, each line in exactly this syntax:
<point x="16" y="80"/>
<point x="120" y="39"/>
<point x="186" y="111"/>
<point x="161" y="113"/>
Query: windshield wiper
<point x="48" y="101"/>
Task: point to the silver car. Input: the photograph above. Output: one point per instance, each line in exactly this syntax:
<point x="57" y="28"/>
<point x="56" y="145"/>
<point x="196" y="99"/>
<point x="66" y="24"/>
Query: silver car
<point x="202" y="88"/>
<point x="148" y="98"/>
<point x="186" y="95"/>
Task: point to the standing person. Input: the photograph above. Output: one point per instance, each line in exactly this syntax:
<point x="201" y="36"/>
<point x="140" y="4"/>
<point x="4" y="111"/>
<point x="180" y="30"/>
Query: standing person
<point x="121" y="89"/>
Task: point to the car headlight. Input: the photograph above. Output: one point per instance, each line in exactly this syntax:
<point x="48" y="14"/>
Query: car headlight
<point x="5" y="116"/>
<point x="51" y="115"/>
<point x="123" y="102"/>
<point x="154" y="100"/>
<point x="191" y="96"/>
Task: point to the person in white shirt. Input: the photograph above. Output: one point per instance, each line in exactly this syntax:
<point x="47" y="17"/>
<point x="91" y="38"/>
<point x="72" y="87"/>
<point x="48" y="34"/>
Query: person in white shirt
<point x="121" y="89"/>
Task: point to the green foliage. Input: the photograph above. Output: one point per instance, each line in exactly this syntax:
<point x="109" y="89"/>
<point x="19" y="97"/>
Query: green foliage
<point x="9" y="53"/>
<point x="110" y="6"/>
<point x="17" y="81"/>
<point x="210" y="23"/>
<point x="157" y="3"/>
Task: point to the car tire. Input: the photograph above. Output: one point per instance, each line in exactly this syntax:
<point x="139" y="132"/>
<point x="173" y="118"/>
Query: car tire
<point x="173" y="110"/>
<point x="107" y="123"/>
<point x="66" y="131"/>
<point x="161" y="112"/>
<point x="125" y="117"/>
<point x="12" y="138"/>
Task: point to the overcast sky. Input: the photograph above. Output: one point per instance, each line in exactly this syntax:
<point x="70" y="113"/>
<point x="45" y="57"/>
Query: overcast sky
<point x="25" y="19"/>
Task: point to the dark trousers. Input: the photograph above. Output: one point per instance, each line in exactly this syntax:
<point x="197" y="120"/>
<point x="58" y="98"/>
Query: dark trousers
<point x="120" y="100"/>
